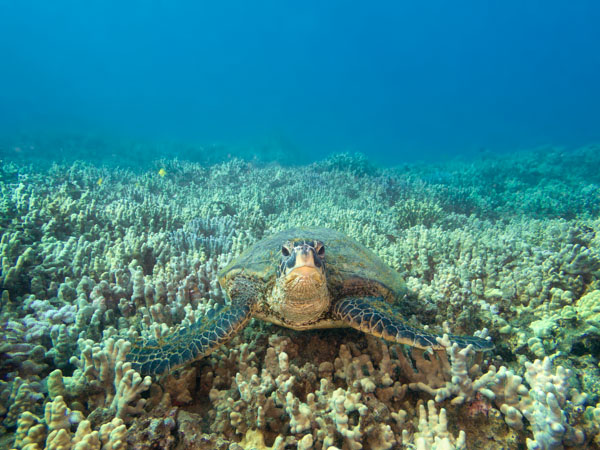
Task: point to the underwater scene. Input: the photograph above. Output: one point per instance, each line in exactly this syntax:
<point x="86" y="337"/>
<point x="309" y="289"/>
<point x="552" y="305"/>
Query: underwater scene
<point x="115" y="282"/>
<point x="273" y="226"/>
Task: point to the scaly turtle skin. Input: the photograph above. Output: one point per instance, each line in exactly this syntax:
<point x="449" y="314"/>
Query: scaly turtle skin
<point x="302" y="278"/>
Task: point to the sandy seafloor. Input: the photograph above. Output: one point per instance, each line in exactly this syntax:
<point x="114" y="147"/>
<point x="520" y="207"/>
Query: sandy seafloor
<point x="93" y="255"/>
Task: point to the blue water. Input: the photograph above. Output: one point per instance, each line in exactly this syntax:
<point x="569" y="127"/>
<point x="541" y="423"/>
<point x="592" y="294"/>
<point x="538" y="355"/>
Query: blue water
<point x="399" y="81"/>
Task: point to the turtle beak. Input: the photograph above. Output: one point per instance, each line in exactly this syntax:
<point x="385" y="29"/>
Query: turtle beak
<point x="305" y="262"/>
<point x="302" y="261"/>
<point x="304" y="276"/>
<point x="305" y="258"/>
<point x="304" y="270"/>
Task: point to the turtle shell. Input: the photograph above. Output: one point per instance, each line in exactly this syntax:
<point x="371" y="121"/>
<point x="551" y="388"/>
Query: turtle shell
<point x="351" y="268"/>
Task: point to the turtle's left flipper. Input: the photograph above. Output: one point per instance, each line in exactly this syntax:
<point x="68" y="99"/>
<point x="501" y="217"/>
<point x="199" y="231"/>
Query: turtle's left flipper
<point x="377" y="317"/>
<point x="153" y="357"/>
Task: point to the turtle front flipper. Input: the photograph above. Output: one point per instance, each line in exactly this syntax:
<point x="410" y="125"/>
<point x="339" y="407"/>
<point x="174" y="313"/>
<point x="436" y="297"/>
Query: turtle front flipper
<point x="377" y="317"/>
<point x="153" y="357"/>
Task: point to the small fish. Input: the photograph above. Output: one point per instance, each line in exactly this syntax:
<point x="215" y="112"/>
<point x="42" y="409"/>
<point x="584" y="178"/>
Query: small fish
<point x="162" y="172"/>
<point x="99" y="182"/>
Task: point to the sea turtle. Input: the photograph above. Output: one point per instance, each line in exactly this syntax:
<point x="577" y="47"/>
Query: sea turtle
<point x="301" y="278"/>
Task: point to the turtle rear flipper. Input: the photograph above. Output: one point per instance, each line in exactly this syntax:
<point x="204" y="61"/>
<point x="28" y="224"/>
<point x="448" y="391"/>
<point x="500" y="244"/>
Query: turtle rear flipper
<point x="153" y="357"/>
<point x="377" y="317"/>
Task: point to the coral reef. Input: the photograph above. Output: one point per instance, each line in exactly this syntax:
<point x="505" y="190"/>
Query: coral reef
<point x="506" y="247"/>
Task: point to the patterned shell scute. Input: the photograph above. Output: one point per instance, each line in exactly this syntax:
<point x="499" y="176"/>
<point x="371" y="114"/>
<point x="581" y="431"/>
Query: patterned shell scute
<point x="346" y="261"/>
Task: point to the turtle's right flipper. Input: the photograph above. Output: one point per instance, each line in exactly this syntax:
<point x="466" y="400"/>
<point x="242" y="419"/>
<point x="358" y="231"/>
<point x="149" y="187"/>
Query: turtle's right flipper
<point x="152" y="357"/>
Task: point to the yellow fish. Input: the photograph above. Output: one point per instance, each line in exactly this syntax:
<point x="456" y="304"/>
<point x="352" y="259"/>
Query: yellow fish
<point x="162" y="172"/>
<point x="99" y="182"/>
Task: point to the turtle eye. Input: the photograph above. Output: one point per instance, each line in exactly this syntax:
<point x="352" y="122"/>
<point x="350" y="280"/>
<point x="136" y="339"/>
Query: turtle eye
<point x="285" y="251"/>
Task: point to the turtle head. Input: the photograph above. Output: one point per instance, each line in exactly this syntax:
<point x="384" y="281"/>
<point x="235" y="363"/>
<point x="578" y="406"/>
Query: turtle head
<point x="301" y="281"/>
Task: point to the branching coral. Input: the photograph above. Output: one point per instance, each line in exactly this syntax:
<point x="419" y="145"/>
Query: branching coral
<point x="103" y="380"/>
<point x="433" y="431"/>
<point x="85" y="261"/>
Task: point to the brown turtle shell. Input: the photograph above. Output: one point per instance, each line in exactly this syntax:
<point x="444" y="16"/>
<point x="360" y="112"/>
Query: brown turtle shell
<point x="351" y="268"/>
